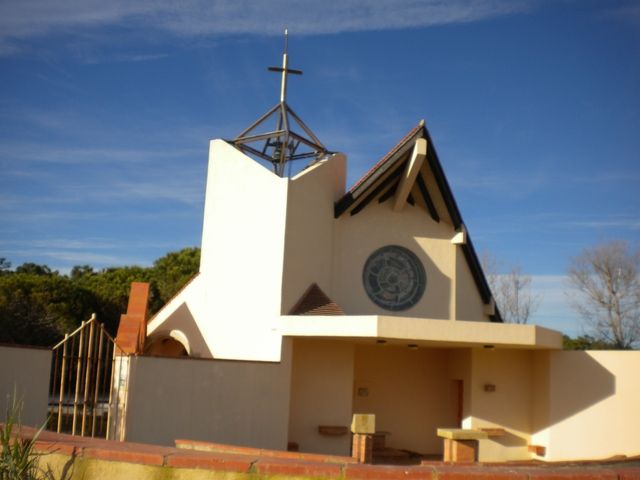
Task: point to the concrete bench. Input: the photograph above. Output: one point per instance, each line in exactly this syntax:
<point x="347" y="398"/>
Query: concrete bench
<point x="461" y="445"/>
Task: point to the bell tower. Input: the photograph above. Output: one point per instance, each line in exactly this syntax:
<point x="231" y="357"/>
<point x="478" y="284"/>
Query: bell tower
<point x="291" y="140"/>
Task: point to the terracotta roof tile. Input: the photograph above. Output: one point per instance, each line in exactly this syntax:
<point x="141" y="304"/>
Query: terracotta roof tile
<point x="380" y="162"/>
<point x="315" y="302"/>
<point x="174" y="296"/>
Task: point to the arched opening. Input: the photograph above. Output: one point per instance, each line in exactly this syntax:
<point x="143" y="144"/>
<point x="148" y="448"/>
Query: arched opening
<point x="172" y="344"/>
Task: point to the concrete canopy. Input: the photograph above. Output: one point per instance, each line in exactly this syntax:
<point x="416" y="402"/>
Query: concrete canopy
<point x="422" y="331"/>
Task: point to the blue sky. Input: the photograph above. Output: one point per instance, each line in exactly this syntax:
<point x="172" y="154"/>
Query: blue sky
<point x="106" y="110"/>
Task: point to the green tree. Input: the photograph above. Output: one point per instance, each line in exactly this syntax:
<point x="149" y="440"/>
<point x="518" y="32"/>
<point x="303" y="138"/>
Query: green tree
<point x="38" y="309"/>
<point x="80" y="271"/>
<point x="586" y="342"/>
<point x="171" y="272"/>
<point x="34" y="269"/>
<point x="111" y="288"/>
<point x="37" y="305"/>
<point x="5" y="266"/>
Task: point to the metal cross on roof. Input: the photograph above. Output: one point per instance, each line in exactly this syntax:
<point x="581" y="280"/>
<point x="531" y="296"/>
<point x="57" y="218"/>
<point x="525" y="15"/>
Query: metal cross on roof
<point x="285" y="68"/>
<point x="283" y="144"/>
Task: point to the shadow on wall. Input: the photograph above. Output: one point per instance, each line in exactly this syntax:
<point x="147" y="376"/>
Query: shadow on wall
<point x="580" y="374"/>
<point x="437" y="291"/>
<point x="180" y="330"/>
<point x="524" y="399"/>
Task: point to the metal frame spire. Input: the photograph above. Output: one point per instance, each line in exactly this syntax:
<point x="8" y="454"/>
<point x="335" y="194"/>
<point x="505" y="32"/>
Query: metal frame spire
<point x="281" y="145"/>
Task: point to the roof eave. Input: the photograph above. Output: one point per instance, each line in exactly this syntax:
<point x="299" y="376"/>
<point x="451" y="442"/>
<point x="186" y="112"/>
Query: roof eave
<point x="385" y="164"/>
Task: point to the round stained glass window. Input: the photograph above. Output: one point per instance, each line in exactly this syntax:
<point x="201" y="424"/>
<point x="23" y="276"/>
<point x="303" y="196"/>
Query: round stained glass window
<point x="394" y="278"/>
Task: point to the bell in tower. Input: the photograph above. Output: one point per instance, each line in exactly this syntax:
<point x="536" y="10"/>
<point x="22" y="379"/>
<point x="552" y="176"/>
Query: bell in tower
<point x="291" y="139"/>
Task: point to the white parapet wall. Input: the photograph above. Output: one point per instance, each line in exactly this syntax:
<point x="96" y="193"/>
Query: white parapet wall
<point x="588" y="404"/>
<point x="321" y="394"/>
<point x="25" y="371"/>
<point x="234" y="402"/>
<point x="575" y="405"/>
<point x="501" y="396"/>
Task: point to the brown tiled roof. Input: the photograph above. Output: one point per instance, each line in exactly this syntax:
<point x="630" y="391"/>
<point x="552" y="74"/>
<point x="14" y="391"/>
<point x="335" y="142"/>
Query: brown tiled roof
<point x="315" y="302"/>
<point x="383" y="166"/>
<point x="389" y="154"/>
<point x="174" y="296"/>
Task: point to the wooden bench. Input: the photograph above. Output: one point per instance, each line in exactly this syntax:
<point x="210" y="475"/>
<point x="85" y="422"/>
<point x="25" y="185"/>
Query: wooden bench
<point x="461" y="445"/>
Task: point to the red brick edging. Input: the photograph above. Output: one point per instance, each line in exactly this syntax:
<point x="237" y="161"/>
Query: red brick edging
<point x="263" y="462"/>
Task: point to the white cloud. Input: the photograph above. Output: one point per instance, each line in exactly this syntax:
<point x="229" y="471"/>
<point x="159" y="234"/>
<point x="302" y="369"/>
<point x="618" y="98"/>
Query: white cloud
<point x="631" y="222"/>
<point x="81" y="155"/>
<point x="61" y="254"/>
<point x="514" y="185"/>
<point x="65" y="243"/>
<point x="606" y="225"/>
<point x="50" y="120"/>
<point x="18" y="217"/>
<point x="73" y="256"/>
<point x="629" y="12"/>
<point x="95" y="57"/>
<point x="22" y="19"/>
<point x="189" y="191"/>
<point x="606" y="178"/>
<point x="141" y="57"/>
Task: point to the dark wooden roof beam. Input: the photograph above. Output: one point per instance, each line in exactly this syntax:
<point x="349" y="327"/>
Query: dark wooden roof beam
<point x="388" y="194"/>
<point x="427" y="198"/>
<point x="393" y="176"/>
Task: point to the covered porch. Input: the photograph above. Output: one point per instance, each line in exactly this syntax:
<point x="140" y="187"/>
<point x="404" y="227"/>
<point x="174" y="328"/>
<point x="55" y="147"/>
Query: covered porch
<point x="415" y="377"/>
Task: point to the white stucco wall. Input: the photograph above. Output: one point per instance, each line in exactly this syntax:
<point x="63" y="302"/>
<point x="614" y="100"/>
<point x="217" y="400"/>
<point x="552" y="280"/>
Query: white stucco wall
<point x="237" y="299"/>
<point x="266" y="239"/>
<point x="25" y="371"/>
<point x="234" y="402"/>
<point x="468" y="304"/>
<point x="590" y="407"/>
<point x="409" y="391"/>
<point x="578" y="405"/>
<point x="243" y="255"/>
<point x="377" y="225"/>
<point x="309" y="233"/>
<point x="509" y="406"/>
<point x="321" y="394"/>
<point x="180" y="316"/>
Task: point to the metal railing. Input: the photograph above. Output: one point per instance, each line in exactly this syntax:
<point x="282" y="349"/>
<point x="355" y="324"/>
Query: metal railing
<point x="88" y="386"/>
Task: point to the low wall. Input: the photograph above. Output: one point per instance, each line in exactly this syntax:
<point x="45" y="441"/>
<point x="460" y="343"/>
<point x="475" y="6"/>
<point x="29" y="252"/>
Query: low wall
<point x="321" y="394"/>
<point x="577" y="405"/>
<point x="77" y="458"/>
<point x="236" y="402"/>
<point x="591" y="404"/>
<point x="26" y="371"/>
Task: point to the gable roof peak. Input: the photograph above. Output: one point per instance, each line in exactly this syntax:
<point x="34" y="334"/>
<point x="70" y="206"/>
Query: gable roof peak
<point x="315" y="302"/>
<point x="387" y="170"/>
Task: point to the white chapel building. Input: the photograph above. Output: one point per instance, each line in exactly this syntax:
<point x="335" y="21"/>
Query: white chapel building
<point x="366" y="298"/>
